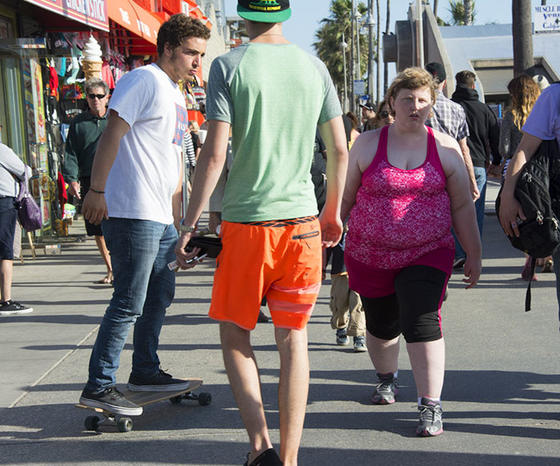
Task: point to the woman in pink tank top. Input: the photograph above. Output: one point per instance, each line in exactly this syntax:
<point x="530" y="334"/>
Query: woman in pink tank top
<point x="406" y="186"/>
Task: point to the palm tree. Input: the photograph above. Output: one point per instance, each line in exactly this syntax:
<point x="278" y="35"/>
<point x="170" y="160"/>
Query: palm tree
<point x="329" y="39"/>
<point x="462" y="12"/>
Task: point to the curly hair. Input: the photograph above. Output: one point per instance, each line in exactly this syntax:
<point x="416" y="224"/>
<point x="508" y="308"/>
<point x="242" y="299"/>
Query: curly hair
<point x="178" y="28"/>
<point x="411" y="78"/>
<point x="524" y="93"/>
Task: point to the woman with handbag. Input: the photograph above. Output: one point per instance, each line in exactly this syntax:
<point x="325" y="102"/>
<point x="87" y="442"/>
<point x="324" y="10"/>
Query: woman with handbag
<point x="406" y="186"/>
<point x="12" y="169"/>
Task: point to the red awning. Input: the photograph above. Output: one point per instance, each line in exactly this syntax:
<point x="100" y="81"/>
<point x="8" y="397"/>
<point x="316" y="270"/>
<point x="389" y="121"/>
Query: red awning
<point x="134" y="18"/>
<point x="92" y="12"/>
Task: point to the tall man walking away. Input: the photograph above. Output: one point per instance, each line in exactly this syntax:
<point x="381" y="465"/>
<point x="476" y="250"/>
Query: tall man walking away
<point x="484" y="133"/>
<point x="81" y="143"/>
<point x="270" y="233"/>
<point x="135" y="189"/>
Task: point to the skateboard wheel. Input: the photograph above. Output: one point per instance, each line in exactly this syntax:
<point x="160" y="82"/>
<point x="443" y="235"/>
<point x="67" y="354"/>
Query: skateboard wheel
<point x="176" y="399"/>
<point x="91" y="422"/>
<point x="124" y="424"/>
<point x="204" y="399"/>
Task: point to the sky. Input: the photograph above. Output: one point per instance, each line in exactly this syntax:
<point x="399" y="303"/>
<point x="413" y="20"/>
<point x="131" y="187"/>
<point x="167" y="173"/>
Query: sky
<point x="307" y="14"/>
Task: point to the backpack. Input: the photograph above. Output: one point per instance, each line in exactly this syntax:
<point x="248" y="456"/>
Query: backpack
<point x="538" y="192"/>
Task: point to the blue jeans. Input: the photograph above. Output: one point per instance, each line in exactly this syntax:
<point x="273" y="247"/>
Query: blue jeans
<point x="143" y="289"/>
<point x="480" y="176"/>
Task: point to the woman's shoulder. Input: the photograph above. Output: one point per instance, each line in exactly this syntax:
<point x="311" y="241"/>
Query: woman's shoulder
<point x="365" y="147"/>
<point x="445" y="141"/>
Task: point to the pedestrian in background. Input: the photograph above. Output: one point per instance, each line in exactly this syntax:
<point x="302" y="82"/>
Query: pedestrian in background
<point x="12" y="169"/>
<point x="524" y="92"/>
<point x="270" y="233"/>
<point x="484" y="134"/>
<point x="81" y="144"/>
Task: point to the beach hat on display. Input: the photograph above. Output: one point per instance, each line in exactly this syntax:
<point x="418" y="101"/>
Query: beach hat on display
<point x="264" y="11"/>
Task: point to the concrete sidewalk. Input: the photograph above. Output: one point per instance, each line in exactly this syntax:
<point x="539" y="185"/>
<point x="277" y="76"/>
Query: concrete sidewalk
<point x="501" y="394"/>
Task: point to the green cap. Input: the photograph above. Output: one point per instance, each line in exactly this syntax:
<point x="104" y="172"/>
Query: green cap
<point x="264" y="11"/>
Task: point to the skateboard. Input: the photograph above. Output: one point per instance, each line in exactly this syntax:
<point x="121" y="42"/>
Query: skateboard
<point x="125" y="424"/>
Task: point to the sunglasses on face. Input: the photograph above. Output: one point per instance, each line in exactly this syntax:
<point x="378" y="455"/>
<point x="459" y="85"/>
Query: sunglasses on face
<point x="96" y="96"/>
<point x="384" y="114"/>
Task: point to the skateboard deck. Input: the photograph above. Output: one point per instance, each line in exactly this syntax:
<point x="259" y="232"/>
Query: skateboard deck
<point x="124" y="423"/>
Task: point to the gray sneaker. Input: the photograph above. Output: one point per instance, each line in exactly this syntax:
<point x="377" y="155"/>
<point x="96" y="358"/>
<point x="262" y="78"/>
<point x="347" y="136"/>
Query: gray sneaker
<point x="110" y="400"/>
<point x="385" y="390"/>
<point x="160" y="382"/>
<point x="341" y="337"/>
<point x="360" y="344"/>
<point x="430" y="421"/>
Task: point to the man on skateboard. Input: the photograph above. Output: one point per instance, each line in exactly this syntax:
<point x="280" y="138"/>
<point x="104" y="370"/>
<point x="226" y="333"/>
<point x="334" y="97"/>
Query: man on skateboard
<point x="135" y="189"/>
<point x="273" y="95"/>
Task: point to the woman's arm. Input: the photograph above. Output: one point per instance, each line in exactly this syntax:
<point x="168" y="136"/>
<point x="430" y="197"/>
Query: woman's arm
<point x="462" y="208"/>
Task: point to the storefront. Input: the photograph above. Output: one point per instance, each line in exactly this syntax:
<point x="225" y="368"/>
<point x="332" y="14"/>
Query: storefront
<point x="42" y="81"/>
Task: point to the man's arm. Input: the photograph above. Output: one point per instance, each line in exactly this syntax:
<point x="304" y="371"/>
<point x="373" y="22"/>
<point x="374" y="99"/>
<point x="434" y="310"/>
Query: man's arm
<point x="334" y="137"/>
<point x="466" y="153"/>
<point x="70" y="168"/>
<point x="208" y="170"/>
<point x="94" y="207"/>
<point x="510" y="209"/>
<point x="11" y="162"/>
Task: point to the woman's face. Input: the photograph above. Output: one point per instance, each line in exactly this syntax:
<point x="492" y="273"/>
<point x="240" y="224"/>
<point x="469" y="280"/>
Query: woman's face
<point x="412" y="106"/>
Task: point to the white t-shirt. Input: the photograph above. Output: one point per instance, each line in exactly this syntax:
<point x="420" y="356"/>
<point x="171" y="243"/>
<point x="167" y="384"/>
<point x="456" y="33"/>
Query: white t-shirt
<point x="146" y="170"/>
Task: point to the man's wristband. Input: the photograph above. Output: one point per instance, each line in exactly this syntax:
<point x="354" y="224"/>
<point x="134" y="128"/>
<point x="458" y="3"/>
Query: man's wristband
<point x="96" y="191"/>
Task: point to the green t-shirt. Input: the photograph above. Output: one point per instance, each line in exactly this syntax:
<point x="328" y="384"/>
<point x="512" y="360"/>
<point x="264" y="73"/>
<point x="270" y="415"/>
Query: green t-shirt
<point x="274" y="96"/>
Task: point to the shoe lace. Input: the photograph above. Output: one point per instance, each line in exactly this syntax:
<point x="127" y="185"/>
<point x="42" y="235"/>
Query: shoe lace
<point x="385" y="385"/>
<point x="164" y="374"/>
<point x="428" y="413"/>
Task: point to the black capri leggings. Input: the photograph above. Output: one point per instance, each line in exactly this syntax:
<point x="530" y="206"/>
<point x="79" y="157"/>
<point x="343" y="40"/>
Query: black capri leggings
<point x="412" y="310"/>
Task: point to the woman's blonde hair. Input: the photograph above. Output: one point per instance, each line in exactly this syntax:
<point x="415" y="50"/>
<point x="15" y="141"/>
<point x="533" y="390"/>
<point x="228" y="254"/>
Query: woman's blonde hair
<point x="524" y="93"/>
<point x="411" y="78"/>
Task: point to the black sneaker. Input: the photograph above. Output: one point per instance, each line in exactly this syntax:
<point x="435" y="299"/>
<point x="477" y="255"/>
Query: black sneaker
<point x="430" y="421"/>
<point x="111" y="400"/>
<point x="12" y="307"/>
<point x="160" y="382"/>
<point x="266" y="458"/>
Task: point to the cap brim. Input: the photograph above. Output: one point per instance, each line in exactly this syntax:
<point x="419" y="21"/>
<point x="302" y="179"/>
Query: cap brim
<point x="262" y="17"/>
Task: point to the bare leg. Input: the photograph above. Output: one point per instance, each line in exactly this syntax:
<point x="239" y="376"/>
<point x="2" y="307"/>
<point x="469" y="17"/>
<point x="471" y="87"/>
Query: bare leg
<point x="292" y="391"/>
<point x="6" y="272"/>
<point x="384" y="354"/>
<point x="243" y="374"/>
<point x="428" y="366"/>
<point x="100" y="241"/>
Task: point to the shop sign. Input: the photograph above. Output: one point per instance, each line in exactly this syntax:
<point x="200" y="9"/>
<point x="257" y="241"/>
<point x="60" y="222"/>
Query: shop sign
<point x="546" y="18"/>
<point x="90" y="12"/>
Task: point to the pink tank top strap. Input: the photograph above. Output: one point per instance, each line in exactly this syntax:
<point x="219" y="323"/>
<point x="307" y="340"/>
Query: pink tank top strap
<point x="381" y="152"/>
<point x="433" y="156"/>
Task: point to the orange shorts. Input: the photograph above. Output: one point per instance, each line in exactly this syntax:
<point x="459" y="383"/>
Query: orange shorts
<point x="279" y="260"/>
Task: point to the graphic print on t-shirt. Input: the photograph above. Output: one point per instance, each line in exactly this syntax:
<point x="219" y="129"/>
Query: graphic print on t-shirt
<point x="181" y="124"/>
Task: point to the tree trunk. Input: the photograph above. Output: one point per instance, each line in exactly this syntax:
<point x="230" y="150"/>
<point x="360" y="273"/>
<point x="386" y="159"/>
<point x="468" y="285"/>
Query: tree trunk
<point x="468" y="11"/>
<point x="385" y="64"/>
<point x="522" y="36"/>
<point x="543" y="2"/>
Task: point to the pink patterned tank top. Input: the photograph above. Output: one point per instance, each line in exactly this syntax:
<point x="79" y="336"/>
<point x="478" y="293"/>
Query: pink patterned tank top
<point x="399" y="215"/>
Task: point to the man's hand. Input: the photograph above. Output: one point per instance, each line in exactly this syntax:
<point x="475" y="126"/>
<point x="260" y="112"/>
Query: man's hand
<point x="510" y="212"/>
<point x="471" y="270"/>
<point x="74" y="189"/>
<point x="181" y="253"/>
<point x="331" y="231"/>
<point x="475" y="193"/>
<point x="94" y="207"/>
